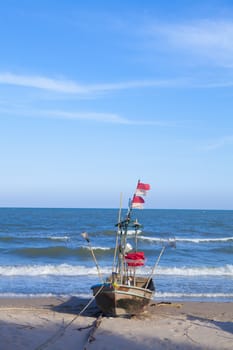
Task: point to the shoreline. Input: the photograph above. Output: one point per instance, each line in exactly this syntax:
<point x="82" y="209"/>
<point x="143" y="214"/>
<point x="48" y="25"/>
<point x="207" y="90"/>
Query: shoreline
<point x="54" y="323"/>
<point x="156" y="299"/>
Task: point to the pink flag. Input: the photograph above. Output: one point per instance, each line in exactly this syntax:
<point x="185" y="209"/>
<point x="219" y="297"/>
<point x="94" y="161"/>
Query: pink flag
<point x="137" y="202"/>
<point x="142" y="189"/>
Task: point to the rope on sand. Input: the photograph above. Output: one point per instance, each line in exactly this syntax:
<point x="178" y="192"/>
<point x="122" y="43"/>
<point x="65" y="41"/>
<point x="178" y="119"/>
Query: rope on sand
<point x="63" y="328"/>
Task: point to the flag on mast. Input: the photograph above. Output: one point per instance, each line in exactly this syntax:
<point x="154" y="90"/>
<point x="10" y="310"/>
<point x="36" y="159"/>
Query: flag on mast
<point x="142" y="189"/>
<point x="137" y="202"/>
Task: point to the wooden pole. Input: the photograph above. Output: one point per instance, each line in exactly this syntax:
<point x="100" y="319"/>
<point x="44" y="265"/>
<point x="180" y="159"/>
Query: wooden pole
<point x="85" y="236"/>
<point x="155" y="265"/>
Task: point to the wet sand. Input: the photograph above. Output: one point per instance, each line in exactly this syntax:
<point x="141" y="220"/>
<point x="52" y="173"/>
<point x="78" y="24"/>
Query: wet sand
<point x="55" y="323"/>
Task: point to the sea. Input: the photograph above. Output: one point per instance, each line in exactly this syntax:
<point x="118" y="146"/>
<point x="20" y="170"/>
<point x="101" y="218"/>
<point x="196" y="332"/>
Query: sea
<point x="42" y="251"/>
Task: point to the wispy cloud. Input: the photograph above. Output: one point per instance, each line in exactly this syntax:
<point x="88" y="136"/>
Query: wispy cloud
<point x="20" y="110"/>
<point x="218" y="143"/>
<point x="208" y="39"/>
<point x="72" y="87"/>
<point x="41" y="82"/>
<point x="98" y="117"/>
<point x="107" y="118"/>
<point x="92" y="116"/>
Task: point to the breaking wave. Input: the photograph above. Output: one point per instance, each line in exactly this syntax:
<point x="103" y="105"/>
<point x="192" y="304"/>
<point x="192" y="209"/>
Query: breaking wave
<point x="163" y="295"/>
<point x="50" y="270"/>
<point x="72" y="270"/>
<point x="192" y="240"/>
<point x="59" y="238"/>
<point x="226" y="270"/>
<point x="59" y="251"/>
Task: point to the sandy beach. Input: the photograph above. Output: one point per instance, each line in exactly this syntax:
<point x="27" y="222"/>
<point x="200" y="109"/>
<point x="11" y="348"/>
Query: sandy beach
<point x="55" y="323"/>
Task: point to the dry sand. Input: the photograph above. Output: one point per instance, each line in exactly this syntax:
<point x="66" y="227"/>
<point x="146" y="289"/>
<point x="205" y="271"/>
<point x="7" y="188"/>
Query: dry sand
<point x="55" y="324"/>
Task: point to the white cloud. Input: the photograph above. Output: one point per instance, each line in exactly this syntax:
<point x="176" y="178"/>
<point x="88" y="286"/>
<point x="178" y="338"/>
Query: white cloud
<point x="99" y="117"/>
<point x="206" y="38"/>
<point x="106" y="118"/>
<point x="69" y="87"/>
<point x="94" y="116"/>
<point x="72" y="87"/>
<point x="41" y="82"/>
<point x="218" y="143"/>
<point x="19" y="110"/>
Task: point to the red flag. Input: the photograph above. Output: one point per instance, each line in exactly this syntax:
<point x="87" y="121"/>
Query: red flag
<point x="142" y="186"/>
<point x="142" y="189"/>
<point x="137" y="202"/>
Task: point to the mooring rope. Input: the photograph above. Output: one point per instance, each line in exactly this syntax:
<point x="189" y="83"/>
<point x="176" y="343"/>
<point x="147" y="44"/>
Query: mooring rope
<point x="63" y="328"/>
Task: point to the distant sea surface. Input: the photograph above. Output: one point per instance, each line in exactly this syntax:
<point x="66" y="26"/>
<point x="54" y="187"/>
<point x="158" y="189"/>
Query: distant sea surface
<point x="42" y="252"/>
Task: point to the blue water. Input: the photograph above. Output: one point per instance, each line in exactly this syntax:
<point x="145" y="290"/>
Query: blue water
<point x="42" y="251"/>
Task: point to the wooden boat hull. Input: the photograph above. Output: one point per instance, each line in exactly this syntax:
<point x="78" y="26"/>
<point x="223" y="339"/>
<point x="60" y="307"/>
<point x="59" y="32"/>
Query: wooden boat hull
<point x="121" y="300"/>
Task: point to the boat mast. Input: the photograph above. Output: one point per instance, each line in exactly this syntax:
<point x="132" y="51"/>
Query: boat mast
<point x="117" y="234"/>
<point x="123" y="228"/>
<point x="121" y="249"/>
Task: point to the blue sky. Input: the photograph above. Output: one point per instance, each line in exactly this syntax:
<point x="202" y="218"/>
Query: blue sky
<point x="95" y="95"/>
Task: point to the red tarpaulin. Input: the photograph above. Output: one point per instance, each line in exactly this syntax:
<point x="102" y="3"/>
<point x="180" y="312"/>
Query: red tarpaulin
<point x="135" y="259"/>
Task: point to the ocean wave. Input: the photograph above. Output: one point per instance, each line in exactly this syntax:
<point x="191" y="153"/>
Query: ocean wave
<point x="226" y="270"/>
<point x="72" y="270"/>
<point x="223" y="250"/>
<point x="98" y="248"/>
<point x="45" y="295"/>
<point x="33" y="238"/>
<point x="6" y="238"/>
<point x="50" y="270"/>
<point x="192" y="295"/>
<point x="59" y="251"/>
<point x="28" y="295"/>
<point x="157" y="295"/>
<point x="192" y="240"/>
<point x="59" y="238"/>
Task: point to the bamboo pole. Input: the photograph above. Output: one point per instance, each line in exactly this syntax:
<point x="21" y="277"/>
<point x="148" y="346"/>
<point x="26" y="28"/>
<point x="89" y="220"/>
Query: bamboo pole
<point x="117" y="234"/>
<point x="85" y="236"/>
<point x="155" y="265"/>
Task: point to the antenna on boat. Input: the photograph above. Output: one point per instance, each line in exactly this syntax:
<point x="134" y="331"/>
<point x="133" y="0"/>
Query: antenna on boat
<point x="136" y="226"/>
<point x="86" y="237"/>
<point x="117" y="235"/>
<point x="171" y="243"/>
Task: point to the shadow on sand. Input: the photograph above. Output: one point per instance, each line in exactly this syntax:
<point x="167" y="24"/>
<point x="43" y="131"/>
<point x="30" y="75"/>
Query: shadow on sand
<point x="225" y="326"/>
<point x="106" y="339"/>
<point x="76" y="305"/>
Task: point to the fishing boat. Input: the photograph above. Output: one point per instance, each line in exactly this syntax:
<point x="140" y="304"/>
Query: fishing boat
<point x="125" y="292"/>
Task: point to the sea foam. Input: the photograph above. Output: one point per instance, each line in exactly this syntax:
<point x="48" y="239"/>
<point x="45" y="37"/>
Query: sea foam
<point x="192" y="240"/>
<point x="72" y="270"/>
